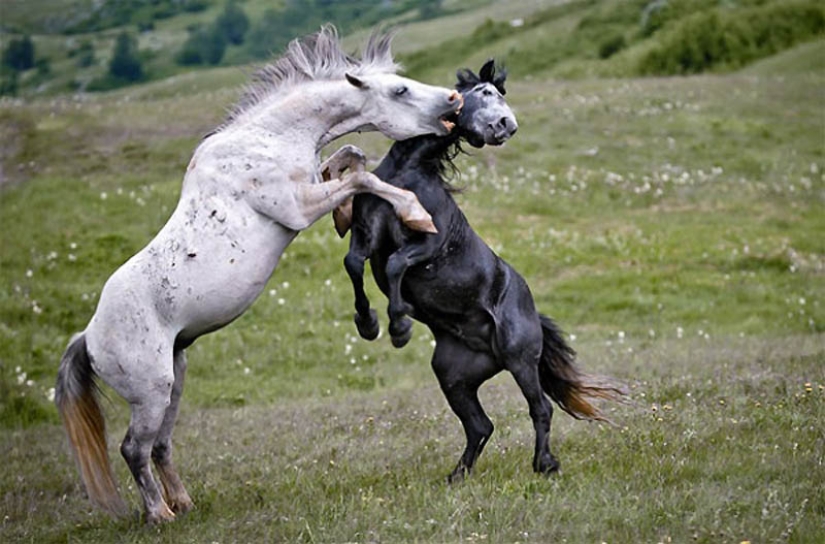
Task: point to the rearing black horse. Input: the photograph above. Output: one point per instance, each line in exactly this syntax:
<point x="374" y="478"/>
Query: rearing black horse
<point x="479" y="309"/>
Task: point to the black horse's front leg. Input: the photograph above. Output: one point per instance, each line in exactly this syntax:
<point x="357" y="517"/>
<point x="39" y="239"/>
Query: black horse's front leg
<point x="366" y="320"/>
<point x="397" y="265"/>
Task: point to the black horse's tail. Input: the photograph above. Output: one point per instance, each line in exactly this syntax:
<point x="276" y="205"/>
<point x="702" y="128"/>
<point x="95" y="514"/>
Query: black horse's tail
<point x="76" y="398"/>
<point x="561" y="378"/>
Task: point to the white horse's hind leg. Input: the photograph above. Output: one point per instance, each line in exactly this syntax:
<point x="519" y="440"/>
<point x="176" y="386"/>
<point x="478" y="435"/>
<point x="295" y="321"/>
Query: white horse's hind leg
<point x="149" y="397"/>
<point x="176" y="496"/>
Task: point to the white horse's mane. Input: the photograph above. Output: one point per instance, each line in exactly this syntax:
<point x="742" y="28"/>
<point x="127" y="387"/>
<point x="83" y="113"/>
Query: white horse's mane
<point x="314" y="57"/>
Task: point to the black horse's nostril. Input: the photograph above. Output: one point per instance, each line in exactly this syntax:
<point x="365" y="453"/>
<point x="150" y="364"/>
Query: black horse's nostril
<point x="507" y="125"/>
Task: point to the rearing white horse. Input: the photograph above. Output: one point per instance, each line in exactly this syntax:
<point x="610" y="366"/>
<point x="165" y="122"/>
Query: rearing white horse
<point x="250" y="188"/>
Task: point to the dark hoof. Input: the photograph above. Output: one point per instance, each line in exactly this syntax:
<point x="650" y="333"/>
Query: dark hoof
<point x="458" y="474"/>
<point x="367" y="328"/>
<point x="548" y="465"/>
<point x="400" y="332"/>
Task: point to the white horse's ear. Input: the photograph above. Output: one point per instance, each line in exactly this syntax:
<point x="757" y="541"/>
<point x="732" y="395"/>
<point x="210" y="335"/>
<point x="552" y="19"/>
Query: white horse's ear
<point x="356" y="82"/>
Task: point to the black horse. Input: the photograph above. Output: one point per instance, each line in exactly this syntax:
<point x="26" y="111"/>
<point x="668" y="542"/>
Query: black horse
<point x="479" y="309"/>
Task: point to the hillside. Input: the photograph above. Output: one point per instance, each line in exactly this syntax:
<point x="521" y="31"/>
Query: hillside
<point x="575" y="39"/>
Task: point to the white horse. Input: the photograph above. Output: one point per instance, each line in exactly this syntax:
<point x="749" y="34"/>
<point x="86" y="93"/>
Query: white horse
<point x="250" y="188"/>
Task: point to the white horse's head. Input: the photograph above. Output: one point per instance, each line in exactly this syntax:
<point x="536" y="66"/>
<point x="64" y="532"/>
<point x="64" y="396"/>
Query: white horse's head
<point x="401" y="108"/>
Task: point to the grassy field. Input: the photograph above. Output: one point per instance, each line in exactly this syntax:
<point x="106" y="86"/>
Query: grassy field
<point x="673" y="227"/>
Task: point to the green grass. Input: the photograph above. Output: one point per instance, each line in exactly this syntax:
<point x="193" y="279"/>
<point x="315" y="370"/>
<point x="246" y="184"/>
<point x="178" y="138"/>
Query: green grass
<point x="671" y="226"/>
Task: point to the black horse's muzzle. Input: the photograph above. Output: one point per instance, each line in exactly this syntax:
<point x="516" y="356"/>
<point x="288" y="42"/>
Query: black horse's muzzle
<point x="501" y="131"/>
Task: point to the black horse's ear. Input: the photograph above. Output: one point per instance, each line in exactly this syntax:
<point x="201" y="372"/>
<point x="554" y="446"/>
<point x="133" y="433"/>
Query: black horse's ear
<point x="488" y="71"/>
<point x="499" y="80"/>
<point x="466" y="78"/>
<point x="356" y="82"/>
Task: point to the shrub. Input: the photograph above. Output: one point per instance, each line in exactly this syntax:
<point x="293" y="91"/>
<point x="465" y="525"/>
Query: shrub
<point x="233" y="23"/>
<point x="204" y="46"/>
<point x="19" y="54"/>
<point x="124" y="64"/>
<point x="611" y="46"/>
<point x="732" y="38"/>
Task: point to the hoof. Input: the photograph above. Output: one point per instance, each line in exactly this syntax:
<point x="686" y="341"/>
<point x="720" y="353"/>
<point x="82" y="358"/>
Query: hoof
<point x="548" y="466"/>
<point x="182" y="505"/>
<point x="400" y="332"/>
<point x="163" y="515"/>
<point x="458" y="474"/>
<point x="422" y="225"/>
<point x="367" y="328"/>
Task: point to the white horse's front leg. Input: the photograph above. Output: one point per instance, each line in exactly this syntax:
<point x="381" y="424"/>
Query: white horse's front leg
<point x="348" y="157"/>
<point x="319" y="199"/>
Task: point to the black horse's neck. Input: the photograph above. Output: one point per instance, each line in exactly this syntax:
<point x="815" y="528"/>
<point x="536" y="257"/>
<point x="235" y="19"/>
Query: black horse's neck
<point x="429" y="154"/>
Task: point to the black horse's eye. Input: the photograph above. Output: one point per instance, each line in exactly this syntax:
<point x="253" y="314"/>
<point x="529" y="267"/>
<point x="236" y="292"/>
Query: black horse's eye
<point x="401" y="90"/>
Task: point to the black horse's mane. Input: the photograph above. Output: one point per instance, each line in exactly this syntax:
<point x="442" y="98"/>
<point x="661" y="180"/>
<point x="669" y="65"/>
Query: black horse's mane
<point x="467" y="79"/>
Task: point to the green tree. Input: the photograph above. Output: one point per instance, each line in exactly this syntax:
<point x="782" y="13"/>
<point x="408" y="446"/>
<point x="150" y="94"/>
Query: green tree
<point x="125" y="64"/>
<point x="204" y="46"/>
<point x="19" y="54"/>
<point x="266" y="36"/>
<point x="233" y="23"/>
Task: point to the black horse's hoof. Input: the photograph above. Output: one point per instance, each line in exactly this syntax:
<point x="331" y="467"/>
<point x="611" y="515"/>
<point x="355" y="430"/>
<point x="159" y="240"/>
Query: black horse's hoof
<point x="368" y="328"/>
<point x="401" y="341"/>
<point x="549" y="465"/>
<point x="400" y="332"/>
<point x="458" y="474"/>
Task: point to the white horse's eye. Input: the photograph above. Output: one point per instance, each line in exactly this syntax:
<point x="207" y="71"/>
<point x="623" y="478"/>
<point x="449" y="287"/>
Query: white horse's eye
<point x="488" y="92"/>
<point x="401" y="90"/>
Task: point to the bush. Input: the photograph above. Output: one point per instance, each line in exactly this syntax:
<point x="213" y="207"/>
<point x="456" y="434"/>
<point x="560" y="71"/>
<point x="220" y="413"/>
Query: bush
<point x="85" y="54"/>
<point x="732" y="38"/>
<point x="233" y="23"/>
<point x="263" y="38"/>
<point x="19" y="54"/>
<point x="204" y="46"/>
<point x="611" y="46"/>
<point x="125" y="64"/>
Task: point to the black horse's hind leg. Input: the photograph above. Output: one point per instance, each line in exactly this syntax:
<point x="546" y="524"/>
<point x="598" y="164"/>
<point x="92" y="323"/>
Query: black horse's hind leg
<point x="541" y="412"/>
<point x="366" y="319"/>
<point x="519" y="341"/>
<point x="460" y="372"/>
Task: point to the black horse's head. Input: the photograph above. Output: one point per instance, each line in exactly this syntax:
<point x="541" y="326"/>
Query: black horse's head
<point x="485" y="118"/>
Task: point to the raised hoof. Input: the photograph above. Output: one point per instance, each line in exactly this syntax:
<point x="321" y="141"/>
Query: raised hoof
<point x="400" y="332"/>
<point x="422" y="225"/>
<point x="367" y="328"/>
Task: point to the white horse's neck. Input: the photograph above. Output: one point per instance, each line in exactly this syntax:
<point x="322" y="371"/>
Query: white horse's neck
<point x="297" y="110"/>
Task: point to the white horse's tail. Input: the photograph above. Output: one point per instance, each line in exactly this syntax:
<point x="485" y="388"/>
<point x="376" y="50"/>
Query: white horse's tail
<point x="76" y="398"/>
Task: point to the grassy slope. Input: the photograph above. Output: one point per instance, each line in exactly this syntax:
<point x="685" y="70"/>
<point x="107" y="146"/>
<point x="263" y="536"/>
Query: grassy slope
<point x="634" y="208"/>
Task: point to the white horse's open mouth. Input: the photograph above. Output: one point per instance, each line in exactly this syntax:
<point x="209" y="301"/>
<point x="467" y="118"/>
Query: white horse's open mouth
<point x="450" y="119"/>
